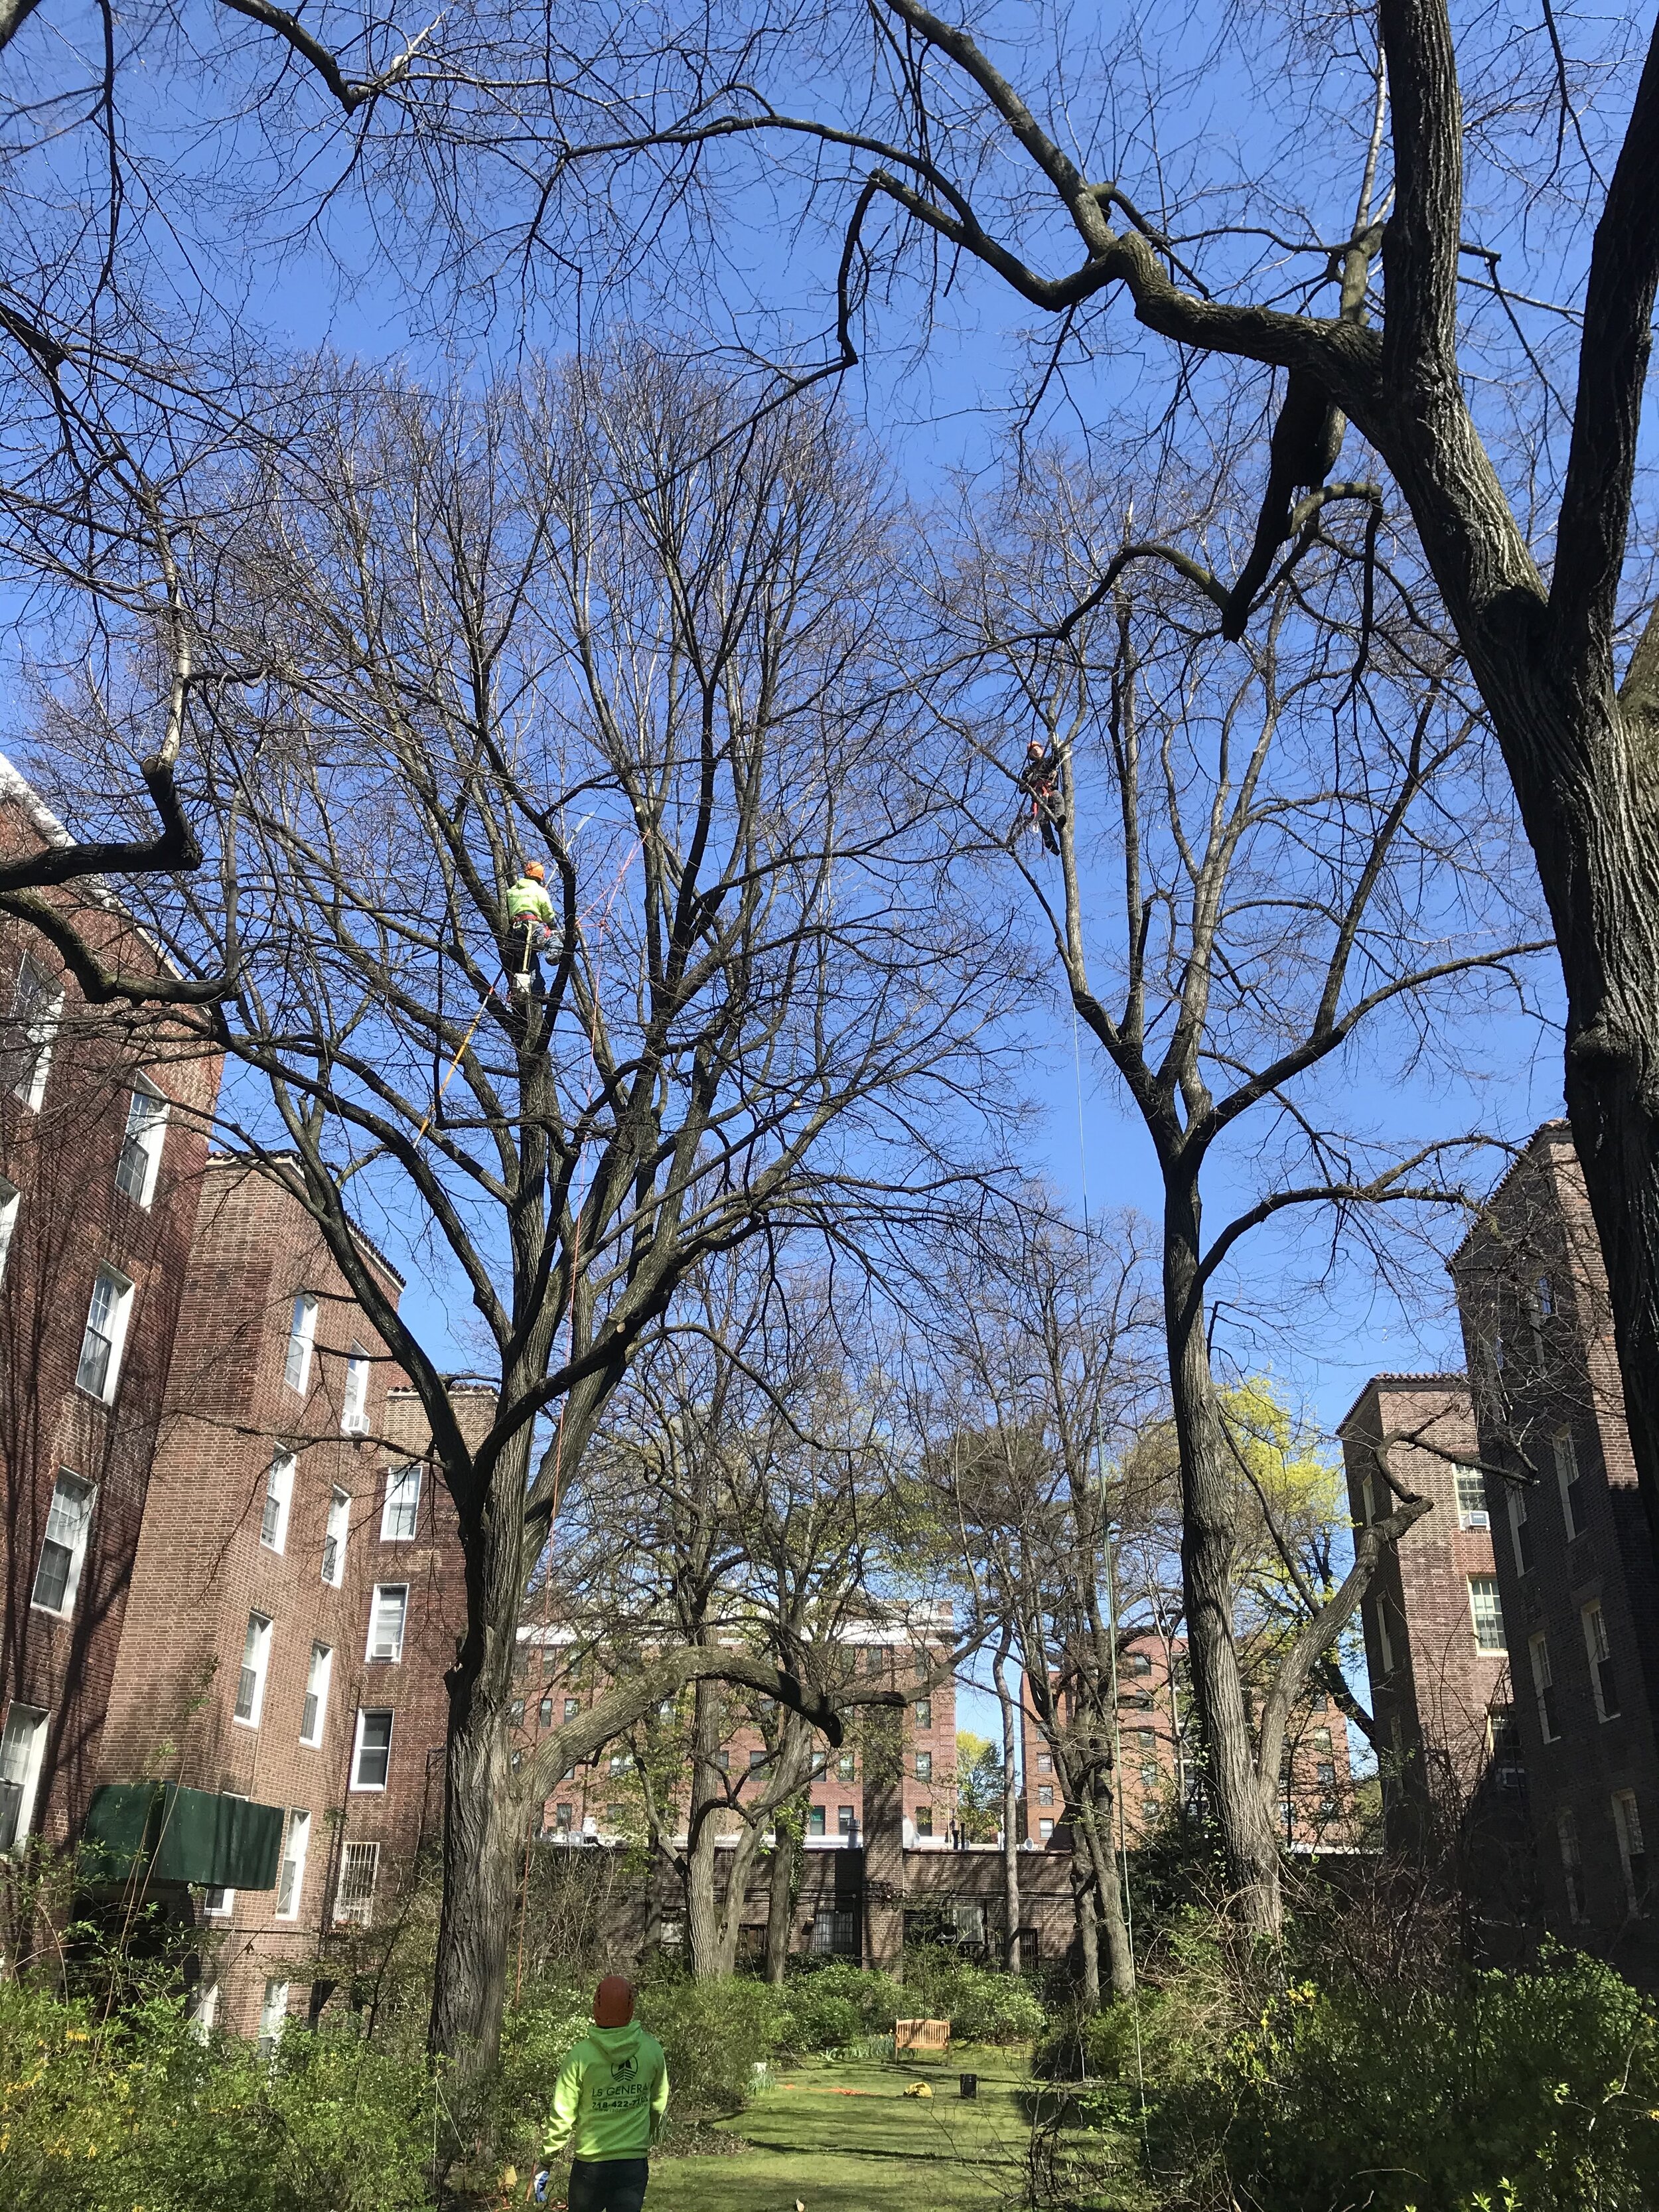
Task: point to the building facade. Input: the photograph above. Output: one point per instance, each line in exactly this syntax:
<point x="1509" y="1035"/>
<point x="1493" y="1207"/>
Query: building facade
<point x="1577" y="1594"/>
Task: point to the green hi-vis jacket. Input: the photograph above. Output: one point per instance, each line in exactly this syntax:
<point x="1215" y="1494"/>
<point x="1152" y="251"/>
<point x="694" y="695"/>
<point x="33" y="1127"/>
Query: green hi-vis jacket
<point x="611" y="2095"/>
<point x="526" y="897"/>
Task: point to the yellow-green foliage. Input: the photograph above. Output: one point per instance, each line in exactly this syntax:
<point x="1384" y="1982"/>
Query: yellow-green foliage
<point x="136" y="2115"/>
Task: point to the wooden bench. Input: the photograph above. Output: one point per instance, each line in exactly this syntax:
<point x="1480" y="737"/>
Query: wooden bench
<point x="928" y="2038"/>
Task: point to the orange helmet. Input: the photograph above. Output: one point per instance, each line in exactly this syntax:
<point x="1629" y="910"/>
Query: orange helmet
<point x="535" y="868"/>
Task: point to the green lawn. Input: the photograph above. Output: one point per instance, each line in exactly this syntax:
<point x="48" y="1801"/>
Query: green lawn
<point x="876" y="2151"/>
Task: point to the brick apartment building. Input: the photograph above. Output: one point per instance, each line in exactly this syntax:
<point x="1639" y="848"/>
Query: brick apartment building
<point x="1158" y="1771"/>
<point x="225" y="1565"/>
<point x="600" y="1799"/>
<point x="1436" y="1649"/>
<point x="1577" y="1594"/>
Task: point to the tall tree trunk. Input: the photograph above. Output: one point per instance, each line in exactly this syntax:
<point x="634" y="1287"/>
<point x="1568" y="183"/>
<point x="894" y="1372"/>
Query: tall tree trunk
<point x="1209" y="1501"/>
<point x="1097" y="1834"/>
<point x="781" y="1897"/>
<point x="739" y="1863"/>
<point x="702" y="1914"/>
<point x="1011" y="1906"/>
<point x="1087" y="1940"/>
<point x="482" y="1816"/>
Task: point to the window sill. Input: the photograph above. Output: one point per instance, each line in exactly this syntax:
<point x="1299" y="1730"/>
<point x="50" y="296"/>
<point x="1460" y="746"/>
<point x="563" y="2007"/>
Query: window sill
<point x="311" y="1743"/>
<point x="236" y="1721"/>
<point x="366" y="1789"/>
<point x="52" y="1612"/>
<point x="276" y="1549"/>
<point x="92" y="1399"/>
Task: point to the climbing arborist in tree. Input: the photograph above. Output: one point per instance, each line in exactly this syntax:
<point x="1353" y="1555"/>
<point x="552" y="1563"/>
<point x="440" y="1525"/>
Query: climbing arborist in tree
<point x="1040" y="778"/>
<point x="530" y="925"/>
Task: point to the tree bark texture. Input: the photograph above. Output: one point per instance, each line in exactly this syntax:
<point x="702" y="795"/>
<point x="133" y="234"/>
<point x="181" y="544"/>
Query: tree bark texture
<point x="779" y="1901"/>
<point x="1010" y="1904"/>
<point x="704" y="1918"/>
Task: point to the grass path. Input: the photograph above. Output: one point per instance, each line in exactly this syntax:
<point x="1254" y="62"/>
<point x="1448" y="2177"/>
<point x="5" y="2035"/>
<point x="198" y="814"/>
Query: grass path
<point x="875" y="2150"/>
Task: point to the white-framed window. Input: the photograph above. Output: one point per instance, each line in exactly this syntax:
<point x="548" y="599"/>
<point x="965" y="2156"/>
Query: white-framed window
<point x="279" y="1496"/>
<point x="1543" y="1683"/>
<point x="571" y="1708"/>
<point x="354" y="1896"/>
<point x="138" y="1163"/>
<point x="1573" y="1863"/>
<point x="924" y="1712"/>
<point x="924" y="1766"/>
<point x="315" y="1713"/>
<point x="273" y="2016"/>
<point x="386" y="1619"/>
<point x="205" y="2012"/>
<point x="301" y="1343"/>
<point x="401" y="1510"/>
<point x="105" y="1334"/>
<point x="622" y="1764"/>
<point x="815" y="1820"/>
<point x="1520" y="1530"/>
<point x="1367" y="1500"/>
<point x="847" y="1766"/>
<point x="37" y="1005"/>
<point x="291" y="1874"/>
<point x="925" y="1822"/>
<point x="354" y="1409"/>
<point x="11" y="1202"/>
<point x="371" y="1749"/>
<point x="64" y="1548"/>
<point x="1603" y="1681"/>
<point x="334" y="1539"/>
<point x="1632" y="1852"/>
<point x="1045" y="1762"/>
<point x="1570" y="1482"/>
<point x="22" y="1748"/>
<point x="256" y="1665"/>
<point x="1045" y="1831"/>
<point x="1471" y="1512"/>
<point x="1487" y="1612"/>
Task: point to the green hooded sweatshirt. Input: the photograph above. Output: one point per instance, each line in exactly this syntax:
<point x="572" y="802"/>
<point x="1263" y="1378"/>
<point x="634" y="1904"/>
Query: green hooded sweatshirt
<point x="611" y="2095"/>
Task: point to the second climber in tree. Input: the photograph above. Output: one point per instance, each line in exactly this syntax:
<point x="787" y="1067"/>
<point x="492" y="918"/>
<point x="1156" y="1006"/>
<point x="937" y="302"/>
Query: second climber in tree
<point x="1040" y="779"/>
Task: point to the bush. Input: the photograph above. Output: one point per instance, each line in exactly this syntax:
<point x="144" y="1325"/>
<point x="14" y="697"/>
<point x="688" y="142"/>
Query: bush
<point x="100" y="2116"/>
<point x="981" y="2005"/>
<point x="1534" y="2092"/>
<point x="713" y="2034"/>
<point x="838" y="2003"/>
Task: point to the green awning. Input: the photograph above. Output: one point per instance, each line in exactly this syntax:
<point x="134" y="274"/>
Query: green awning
<point x="181" y="1835"/>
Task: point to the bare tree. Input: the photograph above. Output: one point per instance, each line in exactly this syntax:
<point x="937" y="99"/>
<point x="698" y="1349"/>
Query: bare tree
<point x="599" y="616"/>
<point x="1038" y="1369"/>
<point x="1270" y="838"/>
<point x="1360" y="261"/>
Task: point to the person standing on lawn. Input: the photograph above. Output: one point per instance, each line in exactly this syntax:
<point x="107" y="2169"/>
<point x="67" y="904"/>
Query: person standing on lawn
<point x="608" y="2105"/>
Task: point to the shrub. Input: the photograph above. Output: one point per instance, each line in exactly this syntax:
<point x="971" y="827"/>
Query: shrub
<point x="838" y="2003"/>
<point x="1534" y="2090"/>
<point x="713" y="2034"/>
<point x="100" y="2116"/>
<point x="981" y="2005"/>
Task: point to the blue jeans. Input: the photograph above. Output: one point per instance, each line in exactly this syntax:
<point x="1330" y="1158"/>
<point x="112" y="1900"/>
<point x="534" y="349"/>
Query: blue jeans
<point x="608" y="2184"/>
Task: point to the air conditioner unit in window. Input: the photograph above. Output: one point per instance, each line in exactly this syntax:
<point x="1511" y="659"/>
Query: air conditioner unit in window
<point x="1477" y="1520"/>
<point x="355" y="1424"/>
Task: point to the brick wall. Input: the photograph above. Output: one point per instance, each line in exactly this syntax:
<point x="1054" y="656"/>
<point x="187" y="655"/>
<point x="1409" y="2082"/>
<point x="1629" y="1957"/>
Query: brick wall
<point x="1531" y="1294"/>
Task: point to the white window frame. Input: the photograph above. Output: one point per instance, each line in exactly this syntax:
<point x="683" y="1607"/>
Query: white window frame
<point x="396" y="1506"/>
<point x="73" y="1539"/>
<point x="273" y="2014"/>
<point x="1543" y="1678"/>
<point x="22" y="1754"/>
<point x="205" y="2013"/>
<point x="145" y="1134"/>
<point x="11" y="1202"/>
<point x="336" y="1533"/>
<point x="118" y="1313"/>
<point x="319" y="1676"/>
<point x="1517" y="1503"/>
<point x="1598" y="1649"/>
<point x="256" y="1659"/>
<point x="1565" y="1455"/>
<point x="278" y="1501"/>
<point x="39" y="1027"/>
<point x="358" y="1787"/>
<point x="301" y="1343"/>
<point x="357" y="1910"/>
<point x="1045" y="1832"/>
<point x="384" y="1592"/>
<point x="1489" y="1650"/>
<point x="354" y="1404"/>
<point x="1628" y="1827"/>
<point x="1470" y="1517"/>
<point x="296" y="1831"/>
<point x="924" y="1766"/>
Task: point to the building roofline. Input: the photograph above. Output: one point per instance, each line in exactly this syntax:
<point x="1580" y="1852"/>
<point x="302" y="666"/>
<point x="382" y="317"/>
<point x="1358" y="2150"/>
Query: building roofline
<point x="1390" y="1381"/>
<point x="1557" y="1126"/>
<point x="14" y="784"/>
<point x="261" y="1164"/>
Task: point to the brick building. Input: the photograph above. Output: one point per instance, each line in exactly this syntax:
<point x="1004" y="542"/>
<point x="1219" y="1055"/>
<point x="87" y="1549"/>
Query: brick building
<point x="1159" y="1770"/>
<point x="1435" y="1642"/>
<point x="600" y="1799"/>
<point x="296" y="1596"/>
<point x="1577" y="1591"/>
